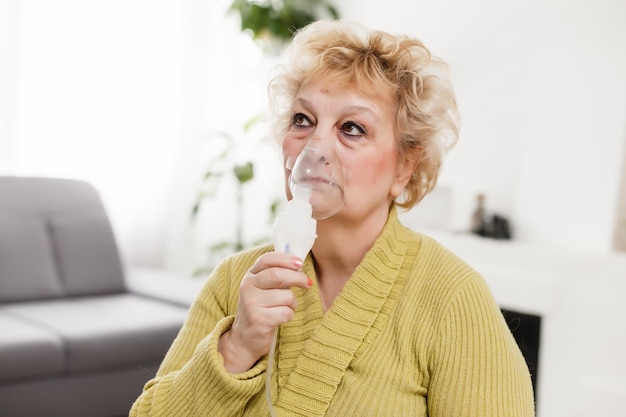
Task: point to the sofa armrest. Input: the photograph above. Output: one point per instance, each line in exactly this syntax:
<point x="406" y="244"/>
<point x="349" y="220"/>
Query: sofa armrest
<point x="163" y="285"/>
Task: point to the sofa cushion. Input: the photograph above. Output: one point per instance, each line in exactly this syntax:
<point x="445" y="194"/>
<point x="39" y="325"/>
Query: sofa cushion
<point x="35" y="195"/>
<point x="163" y="285"/>
<point x="27" y="268"/>
<point x="107" y="331"/>
<point x="86" y="251"/>
<point x="27" y="350"/>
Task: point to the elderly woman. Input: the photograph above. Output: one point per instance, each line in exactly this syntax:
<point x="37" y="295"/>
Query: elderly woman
<point x="376" y="320"/>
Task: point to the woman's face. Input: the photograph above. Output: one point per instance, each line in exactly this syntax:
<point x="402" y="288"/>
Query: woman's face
<point x="363" y="128"/>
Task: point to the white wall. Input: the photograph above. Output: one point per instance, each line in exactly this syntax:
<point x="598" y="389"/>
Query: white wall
<point x="542" y="91"/>
<point x="9" y="28"/>
<point x="619" y="234"/>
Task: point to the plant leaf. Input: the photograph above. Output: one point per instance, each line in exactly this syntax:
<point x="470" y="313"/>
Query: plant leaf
<point x="244" y="173"/>
<point x="196" y="208"/>
<point x="332" y="10"/>
<point x="253" y="121"/>
<point x="274" y="208"/>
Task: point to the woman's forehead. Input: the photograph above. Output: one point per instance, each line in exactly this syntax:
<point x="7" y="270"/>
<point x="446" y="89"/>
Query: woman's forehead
<point x="368" y="89"/>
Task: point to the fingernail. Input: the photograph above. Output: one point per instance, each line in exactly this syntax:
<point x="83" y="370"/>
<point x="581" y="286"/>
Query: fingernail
<point x="309" y="281"/>
<point x="297" y="262"/>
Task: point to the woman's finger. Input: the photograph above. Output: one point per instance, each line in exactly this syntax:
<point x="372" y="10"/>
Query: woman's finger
<point x="275" y="298"/>
<point x="276" y="259"/>
<point x="281" y="278"/>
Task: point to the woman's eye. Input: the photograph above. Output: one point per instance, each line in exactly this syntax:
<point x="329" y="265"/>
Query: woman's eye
<point x="300" y="119"/>
<point x="353" y="129"/>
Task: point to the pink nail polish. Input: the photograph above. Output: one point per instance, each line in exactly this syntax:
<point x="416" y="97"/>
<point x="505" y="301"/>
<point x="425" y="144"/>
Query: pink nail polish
<point x="309" y="281"/>
<point x="297" y="262"/>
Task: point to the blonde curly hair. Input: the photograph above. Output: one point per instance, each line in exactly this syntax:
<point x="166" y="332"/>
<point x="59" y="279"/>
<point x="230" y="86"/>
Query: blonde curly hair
<point x="427" y="117"/>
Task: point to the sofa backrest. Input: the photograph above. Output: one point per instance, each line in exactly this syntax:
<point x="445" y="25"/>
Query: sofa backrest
<point x="55" y="240"/>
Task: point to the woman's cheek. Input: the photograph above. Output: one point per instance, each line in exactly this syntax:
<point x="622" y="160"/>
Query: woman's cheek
<point x="292" y="146"/>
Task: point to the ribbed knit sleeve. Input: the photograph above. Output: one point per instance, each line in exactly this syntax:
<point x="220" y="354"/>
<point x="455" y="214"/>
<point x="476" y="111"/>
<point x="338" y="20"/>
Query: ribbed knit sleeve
<point x="476" y="366"/>
<point x="192" y="380"/>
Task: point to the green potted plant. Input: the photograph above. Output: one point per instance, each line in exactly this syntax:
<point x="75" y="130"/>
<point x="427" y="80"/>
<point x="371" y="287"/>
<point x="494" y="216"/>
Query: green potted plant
<point x="275" y="21"/>
<point x="224" y="165"/>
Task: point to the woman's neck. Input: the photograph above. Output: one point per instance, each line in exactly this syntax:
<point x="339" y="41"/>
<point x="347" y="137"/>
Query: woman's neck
<point x="339" y="249"/>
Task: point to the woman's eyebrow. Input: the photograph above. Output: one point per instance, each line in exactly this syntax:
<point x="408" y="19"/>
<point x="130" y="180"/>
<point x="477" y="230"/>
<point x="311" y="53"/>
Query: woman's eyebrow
<point x="357" y="108"/>
<point x="354" y="108"/>
<point x="304" y="102"/>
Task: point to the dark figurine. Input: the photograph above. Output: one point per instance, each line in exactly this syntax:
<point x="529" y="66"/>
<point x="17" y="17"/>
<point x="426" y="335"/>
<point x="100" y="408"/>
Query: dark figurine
<point x="496" y="226"/>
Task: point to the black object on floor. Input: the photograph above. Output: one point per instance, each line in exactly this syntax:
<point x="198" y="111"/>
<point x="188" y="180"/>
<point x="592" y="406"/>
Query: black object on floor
<point x="526" y="329"/>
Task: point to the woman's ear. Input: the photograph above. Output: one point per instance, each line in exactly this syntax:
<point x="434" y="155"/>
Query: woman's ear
<point x="404" y="172"/>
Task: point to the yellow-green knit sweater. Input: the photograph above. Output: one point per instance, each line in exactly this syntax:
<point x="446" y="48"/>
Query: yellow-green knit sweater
<point x="415" y="332"/>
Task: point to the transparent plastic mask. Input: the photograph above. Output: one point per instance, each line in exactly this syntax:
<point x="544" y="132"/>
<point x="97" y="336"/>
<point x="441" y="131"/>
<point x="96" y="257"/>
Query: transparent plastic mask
<point x="318" y="168"/>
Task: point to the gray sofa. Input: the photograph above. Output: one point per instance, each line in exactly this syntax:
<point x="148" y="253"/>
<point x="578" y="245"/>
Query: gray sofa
<point x="75" y="338"/>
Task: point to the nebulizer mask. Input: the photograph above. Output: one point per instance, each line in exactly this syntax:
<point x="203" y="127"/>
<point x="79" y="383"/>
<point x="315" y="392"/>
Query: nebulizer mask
<point x="316" y="183"/>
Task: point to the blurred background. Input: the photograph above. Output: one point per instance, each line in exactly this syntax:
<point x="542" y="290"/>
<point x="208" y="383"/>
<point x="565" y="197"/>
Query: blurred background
<point x="130" y="94"/>
<point x="160" y="104"/>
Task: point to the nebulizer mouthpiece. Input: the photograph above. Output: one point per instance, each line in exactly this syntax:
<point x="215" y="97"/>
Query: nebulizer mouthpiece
<point x="294" y="231"/>
<point x="316" y="185"/>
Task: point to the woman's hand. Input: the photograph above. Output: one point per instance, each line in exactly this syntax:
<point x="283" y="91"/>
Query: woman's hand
<point x="265" y="301"/>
